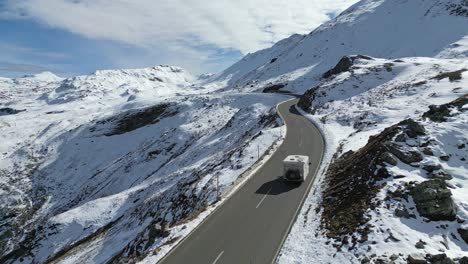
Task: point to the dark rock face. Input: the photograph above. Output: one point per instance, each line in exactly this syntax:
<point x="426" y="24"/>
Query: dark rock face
<point x="344" y="65"/>
<point x="305" y="101"/>
<point x="433" y="200"/>
<point x="464" y="234"/>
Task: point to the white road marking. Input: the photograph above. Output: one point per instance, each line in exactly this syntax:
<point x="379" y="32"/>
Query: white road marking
<point x="219" y="256"/>
<point x="263" y="198"/>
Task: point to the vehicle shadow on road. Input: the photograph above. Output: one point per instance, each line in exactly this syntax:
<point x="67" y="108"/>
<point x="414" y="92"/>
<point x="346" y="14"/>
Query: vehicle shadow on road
<point x="277" y="186"/>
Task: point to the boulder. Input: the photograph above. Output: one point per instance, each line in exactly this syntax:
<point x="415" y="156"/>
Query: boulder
<point x="463" y="260"/>
<point x="433" y="200"/>
<point x="388" y="158"/>
<point x="419" y="245"/>
<point x="403" y="213"/>
<point x="431" y="167"/>
<point x="440" y="259"/>
<point x="416" y="259"/>
<point x="413" y="128"/>
<point x="445" y="157"/>
<point x="428" y="151"/>
<point x="394" y="257"/>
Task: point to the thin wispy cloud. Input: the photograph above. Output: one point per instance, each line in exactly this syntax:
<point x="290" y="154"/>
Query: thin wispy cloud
<point x="32" y="51"/>
<point x="16" y="67"/>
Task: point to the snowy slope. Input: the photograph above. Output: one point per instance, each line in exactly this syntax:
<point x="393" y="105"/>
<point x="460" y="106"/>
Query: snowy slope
<point x="90" y="165"/>
<point x="378" y="28"/>
<point x="360" y="102"/>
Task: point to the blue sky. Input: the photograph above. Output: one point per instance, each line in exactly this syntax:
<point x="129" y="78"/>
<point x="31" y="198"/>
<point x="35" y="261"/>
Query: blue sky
<point x="27" y="47"/>
<point x="72" y="37"/>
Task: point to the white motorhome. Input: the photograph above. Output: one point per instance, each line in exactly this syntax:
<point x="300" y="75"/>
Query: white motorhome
<point x="295" y="168"/>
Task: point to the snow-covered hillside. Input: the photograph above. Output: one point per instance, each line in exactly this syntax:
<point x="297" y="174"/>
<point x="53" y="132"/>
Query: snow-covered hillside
<point x="356" y="218"/>
<point x="91" y="165"/>
<point x="378" y="28"/>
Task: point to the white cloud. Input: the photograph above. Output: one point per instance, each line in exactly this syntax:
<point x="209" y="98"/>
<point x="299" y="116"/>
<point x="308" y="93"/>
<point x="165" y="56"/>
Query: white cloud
<point x="188" y="33"/>
<point x="188" y="26"/>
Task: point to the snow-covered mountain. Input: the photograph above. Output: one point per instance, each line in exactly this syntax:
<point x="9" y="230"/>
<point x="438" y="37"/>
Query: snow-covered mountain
<point x="120" y="164"/>
<point x="90" y="165"/>
<point x="377" y="28"/>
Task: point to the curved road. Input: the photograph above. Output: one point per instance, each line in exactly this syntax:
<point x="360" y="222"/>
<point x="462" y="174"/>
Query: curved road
<point x="251" y="225"/>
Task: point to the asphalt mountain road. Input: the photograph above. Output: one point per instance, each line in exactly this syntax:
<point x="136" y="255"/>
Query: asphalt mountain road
<point x="251" y="225"/>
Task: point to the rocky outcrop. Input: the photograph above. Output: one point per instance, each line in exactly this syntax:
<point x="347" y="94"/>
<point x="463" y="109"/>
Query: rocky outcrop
<point x="433" y="200"/>
<point x="413" y="128"/>
<point x="452" y="76"/>
<point x="440" y="259"/>
<point x="133" y="120"/>
<point x="440" y="113"/>
<point x="274" y="88"/>
<point x="10" y="111"/>
<point x="405" y="155"/>
<point x="305" y="101"/>
<point x="344" y="65"/>
<point x="351" y="179"/>
<point x="463" y="260"/>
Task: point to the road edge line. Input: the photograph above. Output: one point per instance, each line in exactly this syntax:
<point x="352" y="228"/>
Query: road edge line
<point x="233" y="191"/>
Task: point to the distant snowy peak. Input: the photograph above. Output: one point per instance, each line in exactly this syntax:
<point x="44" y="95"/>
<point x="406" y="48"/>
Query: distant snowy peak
<point x="46" y="76"/>
<point x="379" y="28"/>
<point x="161" y="71"/>
<point x="128" y="84"/>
